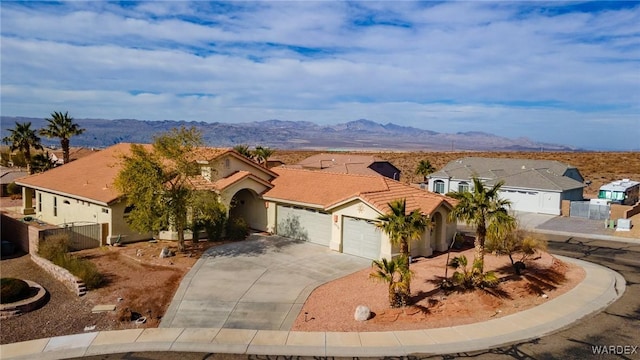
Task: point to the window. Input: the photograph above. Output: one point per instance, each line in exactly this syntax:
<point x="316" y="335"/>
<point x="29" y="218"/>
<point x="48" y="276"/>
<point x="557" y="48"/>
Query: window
<point x="66" y="202"/>
<point x="55" y="206"/>
<point x="227" y="163"/>
<point x="105" y="210"/>
<point x="438" y="186"/>
<point x="39" y="202"/>
<point x="463" y="186"/>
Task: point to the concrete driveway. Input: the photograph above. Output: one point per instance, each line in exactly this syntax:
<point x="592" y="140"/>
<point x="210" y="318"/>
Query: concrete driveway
<point x="259" y="284"/>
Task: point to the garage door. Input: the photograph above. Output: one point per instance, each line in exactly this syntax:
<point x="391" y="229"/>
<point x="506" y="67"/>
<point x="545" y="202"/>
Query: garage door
<point x="361" y="238"/>
<point x="304" y="224"/>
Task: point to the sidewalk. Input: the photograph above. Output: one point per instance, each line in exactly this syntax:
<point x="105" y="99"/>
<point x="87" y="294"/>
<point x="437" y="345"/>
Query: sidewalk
<point x="600" y="288"/>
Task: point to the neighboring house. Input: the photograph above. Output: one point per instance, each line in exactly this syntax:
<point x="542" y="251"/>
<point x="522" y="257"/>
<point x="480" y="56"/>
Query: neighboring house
<point x="349" y="164"/>
<point x="340" y="211"/>
<point x="537" y="186"/>
<point x="82" y="191"/>
<point x="9" y="175"/>
<point x="75" y="153"/>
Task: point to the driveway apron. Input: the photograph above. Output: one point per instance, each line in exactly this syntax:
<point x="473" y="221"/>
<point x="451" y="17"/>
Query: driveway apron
<point x="259" y="284"/>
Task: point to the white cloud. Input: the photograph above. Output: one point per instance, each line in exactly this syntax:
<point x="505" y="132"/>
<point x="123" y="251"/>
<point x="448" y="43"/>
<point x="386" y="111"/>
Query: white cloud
<point x="503" y="67"/>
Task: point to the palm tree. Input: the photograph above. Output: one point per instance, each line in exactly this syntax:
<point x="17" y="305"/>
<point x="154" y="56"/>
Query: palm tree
<point x="262" y="154"/>
<point x="424" y="168"/>
<point x="402" y="228"/>
<point x="243" y="150"/>
<point x="397" y="275"/>
<point x="62" y="126"/>
<point x="23" y="139"/>
<point x="482" y="208"/>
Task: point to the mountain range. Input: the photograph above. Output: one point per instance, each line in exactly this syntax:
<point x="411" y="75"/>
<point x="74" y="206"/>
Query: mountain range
<point x="353" y="135"/>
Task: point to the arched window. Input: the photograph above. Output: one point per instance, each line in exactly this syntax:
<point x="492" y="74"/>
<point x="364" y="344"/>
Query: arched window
<point x="463" y="186"/>
<point x="438" y="186"/>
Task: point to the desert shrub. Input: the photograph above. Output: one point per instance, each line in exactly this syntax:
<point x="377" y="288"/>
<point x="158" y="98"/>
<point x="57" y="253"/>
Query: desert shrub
<point x="12" y="290"/>
<point x="215" y="227"/>
<point x="14" y="189"/>
<point x="56" y="249"/>
<point x="514" y="243"/>
<point x="237" y="229"/>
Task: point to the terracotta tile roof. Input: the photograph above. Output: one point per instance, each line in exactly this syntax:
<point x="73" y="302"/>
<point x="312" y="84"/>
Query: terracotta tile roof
<point x="90" y="177"/>
<point x="328" y="190"/>
<point x="200" y="183"/>
<point x="325" y="160"/>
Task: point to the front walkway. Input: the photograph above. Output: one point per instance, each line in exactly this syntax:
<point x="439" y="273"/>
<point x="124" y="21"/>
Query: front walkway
<point x="600" y="288"/>
<point x="255" y="284"/>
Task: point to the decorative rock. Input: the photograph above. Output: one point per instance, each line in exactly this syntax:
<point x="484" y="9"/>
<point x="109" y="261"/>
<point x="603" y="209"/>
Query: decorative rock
<point x="362" y="313"/>
<point x="165" y="253"/>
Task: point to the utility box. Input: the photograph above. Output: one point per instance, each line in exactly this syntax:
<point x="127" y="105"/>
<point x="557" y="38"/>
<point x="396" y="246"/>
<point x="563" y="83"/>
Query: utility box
<point x="624" y="225"/>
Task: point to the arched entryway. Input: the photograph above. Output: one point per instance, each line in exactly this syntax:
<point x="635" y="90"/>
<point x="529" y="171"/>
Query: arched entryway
<point x="246" y="204"/>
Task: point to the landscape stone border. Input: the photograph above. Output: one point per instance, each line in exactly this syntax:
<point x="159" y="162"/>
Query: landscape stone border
<point x="74" y="283"/>
<point x="18" y="308"/>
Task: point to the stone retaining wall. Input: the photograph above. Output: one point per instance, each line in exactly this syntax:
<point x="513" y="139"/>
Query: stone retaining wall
<point x="74" y="283"/>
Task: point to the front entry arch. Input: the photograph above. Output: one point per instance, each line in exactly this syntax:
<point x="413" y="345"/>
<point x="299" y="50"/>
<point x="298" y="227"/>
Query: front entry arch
<point x="438" y="241"/>
<point x="246" y="204"/>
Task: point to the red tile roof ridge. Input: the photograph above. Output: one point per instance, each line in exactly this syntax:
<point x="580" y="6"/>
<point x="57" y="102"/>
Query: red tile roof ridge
<point x="287" y="168"/>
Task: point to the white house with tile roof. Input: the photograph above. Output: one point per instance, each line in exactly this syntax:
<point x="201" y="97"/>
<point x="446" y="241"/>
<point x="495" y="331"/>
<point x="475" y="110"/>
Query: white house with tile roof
<point x="537" y="186"/>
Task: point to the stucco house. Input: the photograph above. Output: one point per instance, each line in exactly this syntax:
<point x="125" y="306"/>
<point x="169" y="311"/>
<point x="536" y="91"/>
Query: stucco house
<point x="537" y="186"/>
<point x="330" y="209"/>
<point x="9" y="175"/>
<point x="349" y="164"/>
<point x="340" y="211"/>
<point x="82" y="191"/>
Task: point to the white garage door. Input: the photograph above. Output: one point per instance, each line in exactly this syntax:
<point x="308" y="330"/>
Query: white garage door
<point x="304" y="224"/>
<point x="361" y="238"/>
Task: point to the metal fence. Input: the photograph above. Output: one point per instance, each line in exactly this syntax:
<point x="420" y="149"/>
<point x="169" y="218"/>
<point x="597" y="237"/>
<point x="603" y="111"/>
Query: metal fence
<point x="80" y="236"/>
<point x="586" y="210"/>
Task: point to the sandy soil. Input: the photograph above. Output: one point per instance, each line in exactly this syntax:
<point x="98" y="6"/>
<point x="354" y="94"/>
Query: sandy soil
<point x="138" y="281"/>
<point x="331" y="306"/>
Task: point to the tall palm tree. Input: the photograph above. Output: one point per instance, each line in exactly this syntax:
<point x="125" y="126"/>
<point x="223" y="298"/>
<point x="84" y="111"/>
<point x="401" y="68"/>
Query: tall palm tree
<point x="402" y="228"/>
<point x="262" y="154"/>
<point x="424" y="168"/>
<point x="62" y="126"/>
<point x="23" y="139"/>
<point x="482" y="208"/>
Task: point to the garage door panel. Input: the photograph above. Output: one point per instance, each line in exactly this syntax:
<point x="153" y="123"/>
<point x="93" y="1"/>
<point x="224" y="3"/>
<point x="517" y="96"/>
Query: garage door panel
<point x="361" y="238"/>
<point x="304" y="224"/>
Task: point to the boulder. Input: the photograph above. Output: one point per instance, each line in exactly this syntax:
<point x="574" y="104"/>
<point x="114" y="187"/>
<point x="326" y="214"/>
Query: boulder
<point x="362" y="313"/>
<point x="165" y="253"/>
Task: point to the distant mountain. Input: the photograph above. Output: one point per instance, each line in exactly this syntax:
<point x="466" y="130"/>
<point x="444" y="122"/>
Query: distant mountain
<point x="360" y="134"/>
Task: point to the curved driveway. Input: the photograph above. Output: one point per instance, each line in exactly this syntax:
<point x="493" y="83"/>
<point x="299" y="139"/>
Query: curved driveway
<point x="255" y="284"/>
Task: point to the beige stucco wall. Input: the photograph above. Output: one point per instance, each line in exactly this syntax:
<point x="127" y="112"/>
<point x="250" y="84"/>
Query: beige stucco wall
<point x="218" y="168"/>
<point x="78" y="212"/>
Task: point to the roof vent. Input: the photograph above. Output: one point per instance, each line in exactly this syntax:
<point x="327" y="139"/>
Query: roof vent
<point x="626" y="180"/>
<point x="523" y="167"/>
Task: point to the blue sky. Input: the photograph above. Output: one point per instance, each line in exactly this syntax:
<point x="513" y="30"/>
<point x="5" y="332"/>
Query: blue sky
<point x="561" y="72"/>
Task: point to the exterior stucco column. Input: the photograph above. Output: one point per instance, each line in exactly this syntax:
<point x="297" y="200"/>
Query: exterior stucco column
<point x="27" y="201"/>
